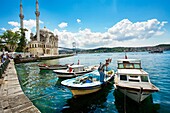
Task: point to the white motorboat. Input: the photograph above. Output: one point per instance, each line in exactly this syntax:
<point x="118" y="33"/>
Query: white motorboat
<point x="88" y="83"/>
<point x="132" y="80"/>
<point x="74" y="70"/>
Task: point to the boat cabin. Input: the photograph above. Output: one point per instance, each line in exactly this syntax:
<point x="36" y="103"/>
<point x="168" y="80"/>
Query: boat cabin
<point x="132" y="75"/>
<point x="130" y="70"/>
<point x="75" y="68"/>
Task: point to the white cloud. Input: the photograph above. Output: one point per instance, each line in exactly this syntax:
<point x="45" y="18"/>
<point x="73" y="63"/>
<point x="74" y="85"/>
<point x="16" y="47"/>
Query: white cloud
<point x="15" y="29"/>
<point x="15" y="24"/>
<point x="78" y="20"/>
<point x="124" y="30"/>
<point x="123" y="33"/>
<point x="63" y="25"/>
<point x="3" y="29"/>
<point x="28" y="24"/>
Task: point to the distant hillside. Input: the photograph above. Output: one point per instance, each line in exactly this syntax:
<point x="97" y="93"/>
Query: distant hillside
<point x="164" y="47"/>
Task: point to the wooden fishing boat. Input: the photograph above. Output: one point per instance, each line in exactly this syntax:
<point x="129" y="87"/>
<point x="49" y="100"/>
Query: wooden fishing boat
<point x="156" y="51"/>
<point x="88" y="83"/>
<point x="132" y="80"/>
<point x="52" y="67"/>
<point x="74" y="70"/>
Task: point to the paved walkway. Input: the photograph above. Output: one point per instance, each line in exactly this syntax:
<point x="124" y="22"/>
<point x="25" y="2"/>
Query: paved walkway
<point x="12" y="98"/>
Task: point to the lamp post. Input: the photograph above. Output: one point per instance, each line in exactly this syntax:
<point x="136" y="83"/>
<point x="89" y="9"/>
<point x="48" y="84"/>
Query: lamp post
<point x="74" y="47"/>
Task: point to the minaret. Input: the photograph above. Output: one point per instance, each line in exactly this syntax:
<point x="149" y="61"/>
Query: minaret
<point x="21" y="15"/>
<point x="37" y="13"/>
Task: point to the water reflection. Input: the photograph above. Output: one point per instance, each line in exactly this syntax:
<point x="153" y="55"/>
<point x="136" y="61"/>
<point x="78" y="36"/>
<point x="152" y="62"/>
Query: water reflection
<point x="126" y="105"/>
<point x="88" y="103"/>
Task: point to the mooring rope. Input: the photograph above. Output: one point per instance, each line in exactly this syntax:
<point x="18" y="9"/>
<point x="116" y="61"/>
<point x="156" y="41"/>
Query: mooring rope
<point x="125" y="101"/>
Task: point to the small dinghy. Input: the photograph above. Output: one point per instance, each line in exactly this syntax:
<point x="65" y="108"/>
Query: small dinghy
<point x="88" y="83"/>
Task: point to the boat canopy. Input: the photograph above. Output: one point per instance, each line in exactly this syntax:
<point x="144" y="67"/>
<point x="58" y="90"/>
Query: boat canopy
<point x="76" y="66"/>
<point x="132" y="71"/>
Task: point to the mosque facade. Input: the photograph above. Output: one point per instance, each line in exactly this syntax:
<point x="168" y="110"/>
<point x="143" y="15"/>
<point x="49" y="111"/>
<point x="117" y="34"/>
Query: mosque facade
<point x="47" y="45"/>
<point x="44" y="42"/>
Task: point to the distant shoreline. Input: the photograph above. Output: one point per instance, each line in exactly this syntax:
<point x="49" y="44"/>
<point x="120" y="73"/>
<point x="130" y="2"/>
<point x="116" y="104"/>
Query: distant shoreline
<point x="161" y="47"/>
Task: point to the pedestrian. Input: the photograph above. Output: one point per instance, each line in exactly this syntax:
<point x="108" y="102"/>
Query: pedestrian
<point x="101" y="70"/>
<point x="2" y="60"/>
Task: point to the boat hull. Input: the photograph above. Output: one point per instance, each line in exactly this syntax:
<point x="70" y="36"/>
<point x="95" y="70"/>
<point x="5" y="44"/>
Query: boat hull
<point x="156" y="51"/>
<point x="79" y="92"/>
<point x="135" y="94"/>
<point x="52" y="68"/>
<point x="87" y="84"/>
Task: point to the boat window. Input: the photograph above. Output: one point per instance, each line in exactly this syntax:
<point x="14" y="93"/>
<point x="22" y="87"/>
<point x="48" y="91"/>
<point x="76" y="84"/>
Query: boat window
<point x="134" y="76"/>
<point x="120" y="66"/>
<point x="144" y="78"/>
<point x="78" y="69"/>
<point x="137" y="66"/>
<point x="132" y="80"/>
<point x="129" y="66"/>
<point x="123" y="77"/>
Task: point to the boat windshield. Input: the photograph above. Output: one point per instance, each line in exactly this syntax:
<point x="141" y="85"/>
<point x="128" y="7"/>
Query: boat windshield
<point x="129" y="66"/>
<point x="78" y="69"/>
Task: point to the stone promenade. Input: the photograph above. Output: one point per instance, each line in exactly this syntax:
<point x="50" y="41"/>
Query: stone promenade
<point x="12" y="98"/>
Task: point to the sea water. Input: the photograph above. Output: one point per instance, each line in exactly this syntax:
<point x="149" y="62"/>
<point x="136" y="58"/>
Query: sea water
<point x="44" y="89"/>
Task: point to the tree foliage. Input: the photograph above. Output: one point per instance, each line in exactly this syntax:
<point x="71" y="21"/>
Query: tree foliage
<point x="10" y="37"/>
<point x="15" y="38"/>
<point x="22" y="42"/>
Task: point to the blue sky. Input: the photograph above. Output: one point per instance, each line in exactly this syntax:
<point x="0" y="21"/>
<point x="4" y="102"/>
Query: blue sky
<point x="94" y="23"/>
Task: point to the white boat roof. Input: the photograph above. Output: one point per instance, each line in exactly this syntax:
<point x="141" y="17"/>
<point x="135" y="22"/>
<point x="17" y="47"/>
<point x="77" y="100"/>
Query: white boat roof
<point x="76" y="66"/>
<point x="130" y="60"/>
<point x="61" y="71"/>
<point x="132" y="71"/>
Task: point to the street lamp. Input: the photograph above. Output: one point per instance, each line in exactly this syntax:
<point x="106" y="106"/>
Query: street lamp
<point x="74" y="46"/>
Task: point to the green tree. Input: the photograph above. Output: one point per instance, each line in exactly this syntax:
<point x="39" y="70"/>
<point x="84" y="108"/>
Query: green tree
<point x="10" y="37"/>
<point x="22" y="42"/>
